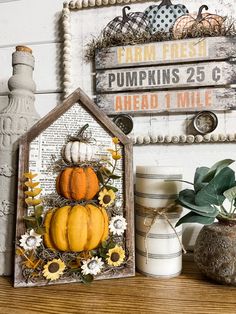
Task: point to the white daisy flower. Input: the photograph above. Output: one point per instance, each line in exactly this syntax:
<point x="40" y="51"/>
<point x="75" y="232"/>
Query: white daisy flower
<point x="31" y="240"/>
<point x="92" y="266"/>
<point x="117" y="225"/>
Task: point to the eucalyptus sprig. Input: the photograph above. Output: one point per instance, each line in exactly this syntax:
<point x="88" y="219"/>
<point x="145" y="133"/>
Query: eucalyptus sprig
<point x="212" y="187"/>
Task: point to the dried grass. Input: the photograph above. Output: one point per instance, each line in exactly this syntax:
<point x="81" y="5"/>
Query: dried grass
<point x="227" y="30"/>
<point x="54" y="200"/>
<point x="103" y="42"/>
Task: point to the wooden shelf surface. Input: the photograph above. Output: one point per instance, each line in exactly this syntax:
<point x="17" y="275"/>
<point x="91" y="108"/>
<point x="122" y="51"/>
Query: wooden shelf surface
<point x="190" y="293"/>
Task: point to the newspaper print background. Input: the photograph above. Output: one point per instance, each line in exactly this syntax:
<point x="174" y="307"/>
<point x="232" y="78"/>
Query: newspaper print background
<point x="47" y="147"/>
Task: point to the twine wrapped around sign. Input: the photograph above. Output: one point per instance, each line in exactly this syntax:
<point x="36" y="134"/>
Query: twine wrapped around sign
<point x="156" y="213"/>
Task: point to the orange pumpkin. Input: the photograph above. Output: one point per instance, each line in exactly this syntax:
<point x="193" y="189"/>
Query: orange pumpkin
<point x="75" y="228"/>
<point x="77" y="183"/>
<point x="188" y="22"/>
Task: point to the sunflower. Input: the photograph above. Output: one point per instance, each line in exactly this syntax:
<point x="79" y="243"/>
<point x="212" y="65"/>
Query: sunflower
<point x="30" y="240"/>
<point x="92" y="266"/>
<point x="116" y="256"/>
<point x="106" y="197"/>
<point x="53" y="269"/>
<point x="118" y="225"/>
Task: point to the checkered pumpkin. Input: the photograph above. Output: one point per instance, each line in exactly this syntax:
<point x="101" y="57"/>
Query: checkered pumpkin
<point x="132" y="23"/>
<point x="189" y="22"/>
<point x="162" y="17"/>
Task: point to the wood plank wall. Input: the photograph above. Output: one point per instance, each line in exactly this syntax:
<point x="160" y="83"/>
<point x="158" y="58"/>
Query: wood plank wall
<point x="36" y="24"/>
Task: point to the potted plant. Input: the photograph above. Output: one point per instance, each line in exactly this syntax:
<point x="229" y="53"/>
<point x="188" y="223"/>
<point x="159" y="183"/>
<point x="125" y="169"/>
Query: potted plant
<point x="212" y="197"/>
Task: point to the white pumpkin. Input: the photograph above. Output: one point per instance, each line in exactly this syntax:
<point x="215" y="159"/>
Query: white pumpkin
<point x="75" y="152"/>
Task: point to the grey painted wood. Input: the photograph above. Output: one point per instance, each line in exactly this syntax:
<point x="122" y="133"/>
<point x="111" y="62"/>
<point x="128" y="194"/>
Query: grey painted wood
<point x="167" y="101"/>
<point x="189" y="50"/>
<point x="170" y="76"/>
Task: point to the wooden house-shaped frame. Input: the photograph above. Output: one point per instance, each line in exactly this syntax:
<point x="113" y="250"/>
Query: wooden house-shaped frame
<point x="37" y="149"/>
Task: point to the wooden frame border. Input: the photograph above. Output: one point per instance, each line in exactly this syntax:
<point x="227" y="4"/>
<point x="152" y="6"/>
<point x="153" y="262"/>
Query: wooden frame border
<point x="79" y="96"/>
<point x="67" y="81"/>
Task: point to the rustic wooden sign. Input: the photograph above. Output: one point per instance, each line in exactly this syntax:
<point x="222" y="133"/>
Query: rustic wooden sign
<point x="171" y="76"/>
<point x="189" y="50"/>
<point x="165" y="101"/>
<point x="85" y="181"/>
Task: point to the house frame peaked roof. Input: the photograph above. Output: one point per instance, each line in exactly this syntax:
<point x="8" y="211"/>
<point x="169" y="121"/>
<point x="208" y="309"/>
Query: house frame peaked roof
<point x="78" y="96"/>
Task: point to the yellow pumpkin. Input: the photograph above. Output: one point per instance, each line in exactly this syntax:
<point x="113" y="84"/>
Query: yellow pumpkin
<point x="75" y="228"/>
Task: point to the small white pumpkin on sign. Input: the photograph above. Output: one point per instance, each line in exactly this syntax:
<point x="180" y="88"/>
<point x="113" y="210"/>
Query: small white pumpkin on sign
<point x="79" y="148"/>
<point x="75" y="152"/>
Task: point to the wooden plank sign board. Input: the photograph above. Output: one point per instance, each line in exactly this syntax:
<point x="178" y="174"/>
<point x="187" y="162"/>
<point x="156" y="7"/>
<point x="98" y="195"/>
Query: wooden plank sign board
<point x="165" y="101"/>
<point x="171" y="76"/>
<point x="177" y="51"/>
<point x="185" y="75"/>
<point x="84" y="198"/>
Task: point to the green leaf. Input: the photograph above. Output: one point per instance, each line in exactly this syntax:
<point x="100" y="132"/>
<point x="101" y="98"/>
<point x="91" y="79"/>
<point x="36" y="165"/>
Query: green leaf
<point x="87" y="278"/>
<point x="111" y="245"/>
<point x="198" y="178"/>
<point x="30" y="219"/>
<point x="222" y="209"/>
<point x="193" y="218"/>
<point x="106" y="171"/>
<point x="212" y="193"/>
<point x="30" y="222"/>
<point x="230" y="194"/>
<point x="75" y="271"/>
<point x="40" y="230"/>
<point x="109" y="187"/>
<point x="103" y="255"/>
<point x="104" y="244"/>
<point x="40" y="220"/>
<point x="187" y="199"/>
<point x="114" y="177"/>
<point x="216" y="168"/>
<point x="100" y="177"/>
<point x="38" y="211"/>
<point x="109" y="163"/>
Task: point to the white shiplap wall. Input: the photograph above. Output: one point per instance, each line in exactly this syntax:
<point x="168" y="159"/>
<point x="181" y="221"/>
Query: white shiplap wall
<point x="36" y="23"/>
